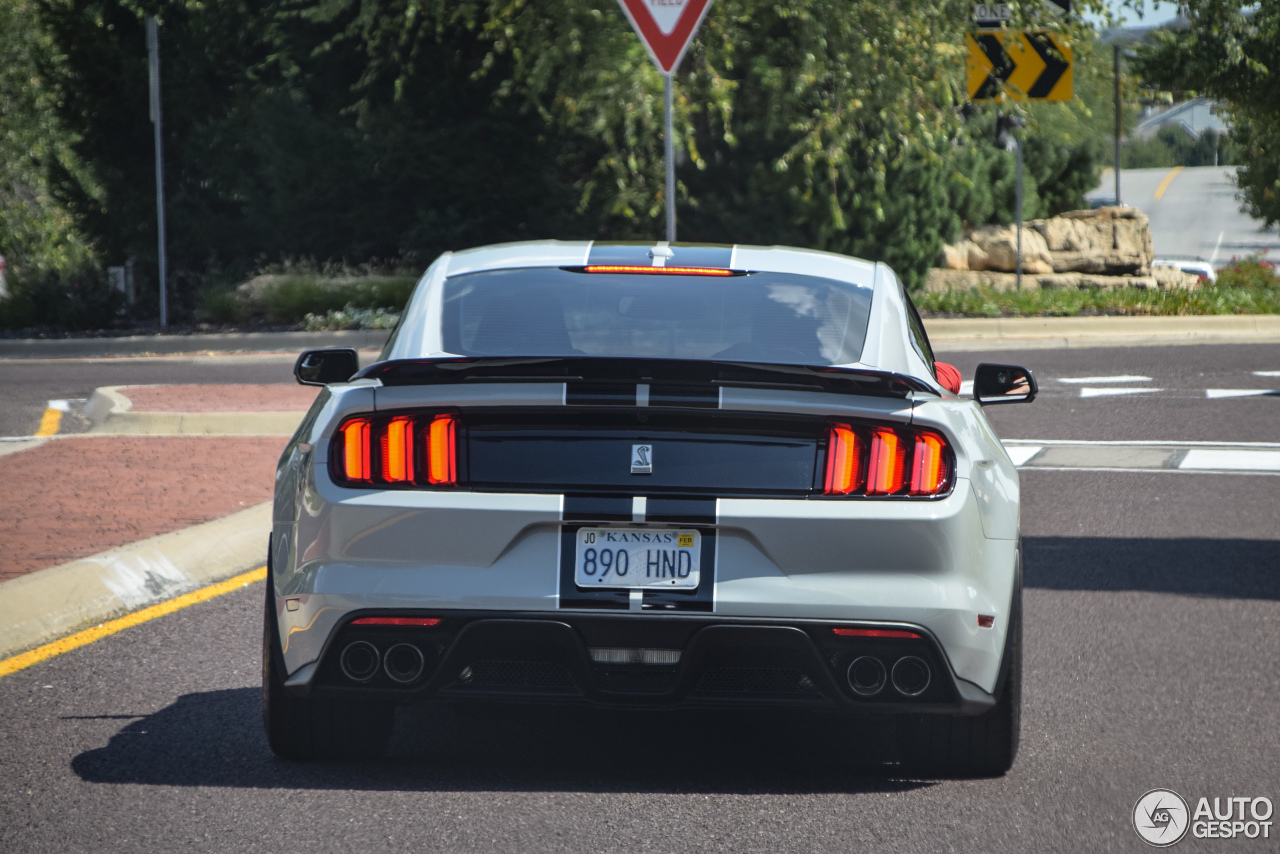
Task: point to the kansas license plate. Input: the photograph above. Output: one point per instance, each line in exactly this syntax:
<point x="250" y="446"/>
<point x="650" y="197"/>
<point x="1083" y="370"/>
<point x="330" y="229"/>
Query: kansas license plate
<point x="638" y="557"/>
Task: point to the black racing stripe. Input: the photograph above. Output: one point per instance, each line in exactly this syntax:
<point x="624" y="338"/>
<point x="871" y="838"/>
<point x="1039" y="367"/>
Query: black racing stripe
<point x="597" y="508"/>
<point x="684" y="510"/>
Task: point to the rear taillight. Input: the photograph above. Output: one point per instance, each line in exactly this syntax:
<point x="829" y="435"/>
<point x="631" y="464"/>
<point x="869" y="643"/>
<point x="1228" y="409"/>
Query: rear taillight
<point x="893" y="634"/>
<point x="883" y="461"/>
<point x="397" y="450"/>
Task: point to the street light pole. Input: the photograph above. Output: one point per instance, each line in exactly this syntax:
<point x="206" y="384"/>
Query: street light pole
<point x="153" y="62"/>
<point x="1119" y="121"/>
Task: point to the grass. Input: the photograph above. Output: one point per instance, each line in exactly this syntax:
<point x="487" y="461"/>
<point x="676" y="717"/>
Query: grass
<point x="1250" y="286"/>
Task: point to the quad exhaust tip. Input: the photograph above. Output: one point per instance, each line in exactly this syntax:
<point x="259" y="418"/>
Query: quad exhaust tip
<point x="403" y="663"/>
<point x="911" y="676"/>
<point x="867" y="676"/>
<point x="359" y="661"/>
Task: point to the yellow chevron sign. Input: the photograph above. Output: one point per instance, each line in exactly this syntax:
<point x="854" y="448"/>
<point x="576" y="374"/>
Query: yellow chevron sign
<point x="1018" y="65"/>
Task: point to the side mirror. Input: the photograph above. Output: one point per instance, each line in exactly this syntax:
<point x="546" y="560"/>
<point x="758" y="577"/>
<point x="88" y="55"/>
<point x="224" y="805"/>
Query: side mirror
<point x="323" y="367"/>
<point x="1003" y="384"/>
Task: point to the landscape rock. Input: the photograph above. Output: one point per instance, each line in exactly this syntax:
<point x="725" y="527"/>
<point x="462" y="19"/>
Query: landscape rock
<point x="1111" y="240"/>
<point x="944" y="281"/>
<point x="999" y="243"/>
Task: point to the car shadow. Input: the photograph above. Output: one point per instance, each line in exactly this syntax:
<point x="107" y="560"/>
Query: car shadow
<point x="1230" y="569"/>
<point x="215" y="738"/>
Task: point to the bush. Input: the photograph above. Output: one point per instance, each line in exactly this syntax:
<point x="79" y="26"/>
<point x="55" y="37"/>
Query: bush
<point x="1252" y="273"/>
<point x="70" y="301"/>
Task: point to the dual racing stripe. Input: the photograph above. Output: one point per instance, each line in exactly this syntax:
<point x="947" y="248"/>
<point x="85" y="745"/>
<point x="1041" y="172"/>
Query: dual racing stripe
<point x="586" y="510"/>
<point x="638" y="255"/>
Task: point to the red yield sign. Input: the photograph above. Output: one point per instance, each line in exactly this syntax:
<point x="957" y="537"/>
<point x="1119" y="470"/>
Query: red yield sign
<point x="666" y="27"/>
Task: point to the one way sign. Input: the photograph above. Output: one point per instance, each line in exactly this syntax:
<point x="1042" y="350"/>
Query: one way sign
<point x="666" y="27"/>
<point x="1033" y="66"/>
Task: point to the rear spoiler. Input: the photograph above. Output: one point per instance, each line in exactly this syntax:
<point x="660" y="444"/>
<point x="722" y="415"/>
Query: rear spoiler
<point x="402" y="372"/>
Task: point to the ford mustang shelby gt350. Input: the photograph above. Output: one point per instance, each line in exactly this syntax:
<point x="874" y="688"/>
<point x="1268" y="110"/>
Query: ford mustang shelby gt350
<point x="649" y="475"/>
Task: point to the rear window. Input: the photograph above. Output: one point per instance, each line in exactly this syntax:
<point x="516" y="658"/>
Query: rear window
<point x="777" y="318"/>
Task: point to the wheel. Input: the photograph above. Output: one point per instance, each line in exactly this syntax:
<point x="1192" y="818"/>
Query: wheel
<point x="313" y="728"/>
<point x="972" y="746"/>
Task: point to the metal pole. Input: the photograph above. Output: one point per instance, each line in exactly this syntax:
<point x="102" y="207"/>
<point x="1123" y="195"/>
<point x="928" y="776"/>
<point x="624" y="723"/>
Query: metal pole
<point x="1119" y="121"/>
<point x="669" y="146"/>
<point x="1018" y="205"/>
<point x="153" y="61"/>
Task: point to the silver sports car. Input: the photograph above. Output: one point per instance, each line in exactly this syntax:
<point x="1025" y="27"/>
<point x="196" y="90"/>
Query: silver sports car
<point x="649" y="476"/>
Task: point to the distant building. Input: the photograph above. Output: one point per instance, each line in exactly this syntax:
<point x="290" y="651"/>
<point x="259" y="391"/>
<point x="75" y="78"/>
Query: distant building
<point x="1194" y="117"/>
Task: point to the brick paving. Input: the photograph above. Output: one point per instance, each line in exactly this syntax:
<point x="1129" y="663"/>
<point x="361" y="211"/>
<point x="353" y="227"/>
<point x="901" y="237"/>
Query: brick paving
<point x="75" y="497"/>
<point x="272" y="397"/>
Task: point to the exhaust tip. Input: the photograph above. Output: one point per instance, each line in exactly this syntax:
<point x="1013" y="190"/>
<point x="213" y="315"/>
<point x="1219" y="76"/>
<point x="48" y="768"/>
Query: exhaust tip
<point x="359" y="661"/>
<point x="403" y="663"/>
<point x="867" y="676"/>
<point x="911" y="676"/>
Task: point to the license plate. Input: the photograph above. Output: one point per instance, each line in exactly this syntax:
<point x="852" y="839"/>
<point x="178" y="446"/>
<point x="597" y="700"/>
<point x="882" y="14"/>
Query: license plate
<point x="638" y="557"/>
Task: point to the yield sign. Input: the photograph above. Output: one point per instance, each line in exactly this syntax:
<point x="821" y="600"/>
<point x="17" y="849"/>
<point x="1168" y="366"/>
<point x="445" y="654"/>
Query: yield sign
<point x="666" y="27"/>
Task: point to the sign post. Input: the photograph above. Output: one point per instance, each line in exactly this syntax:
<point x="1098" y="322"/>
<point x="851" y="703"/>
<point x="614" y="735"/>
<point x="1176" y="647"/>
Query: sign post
<point x="666" y="27"/>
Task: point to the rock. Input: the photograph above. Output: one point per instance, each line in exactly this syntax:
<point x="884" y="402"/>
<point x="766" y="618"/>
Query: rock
<point x="954" y="257"/>
<point x="1000" y="244"/>
<point x="1112" y="241"/>
<point x="944" y="281"/>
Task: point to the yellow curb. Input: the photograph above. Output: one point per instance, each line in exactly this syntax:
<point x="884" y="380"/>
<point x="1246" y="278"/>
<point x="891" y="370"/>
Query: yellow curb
<point x="88" y="636"/>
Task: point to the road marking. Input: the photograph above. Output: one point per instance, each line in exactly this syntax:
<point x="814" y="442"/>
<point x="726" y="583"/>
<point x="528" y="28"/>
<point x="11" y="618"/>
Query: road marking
<point x="1120" y="379"/>
<point x="1216" y="247"/>
<point x="1168" y="179"/>
<point x="1108" y="392"/>
<point x="1022" y="454"/>
<point x="1215" y="393"/>
<point x="1266" y="373"/>
<point x="1141" y="442"/>
<point x="1251" y="461"/>
<point x="1109" y="469"/>
<point x="88" y="636"/>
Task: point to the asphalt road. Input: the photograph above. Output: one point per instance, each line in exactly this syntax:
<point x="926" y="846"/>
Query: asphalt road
<point x="1196" y="216"/>
<point x="1152" y="608"/>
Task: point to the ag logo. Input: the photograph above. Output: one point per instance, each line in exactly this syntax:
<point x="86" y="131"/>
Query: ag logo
<point x="642" y="459"/>
<point x="1161" y="818"/>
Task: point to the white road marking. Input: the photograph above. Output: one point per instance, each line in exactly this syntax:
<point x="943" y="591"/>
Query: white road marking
<point x="60" y="405"/>
<point x="1266" y="373"/>
<point x="1223" y="460"/>
<point x="1215" y="393"/>
<point x="1022" y="454"/>
<point x="1110" y="470"/>
<point x="1127" y="378"/>
<point x="1216" y="247"/>
<point x="1142" y="442"/>
<point x="1109" y="392"/>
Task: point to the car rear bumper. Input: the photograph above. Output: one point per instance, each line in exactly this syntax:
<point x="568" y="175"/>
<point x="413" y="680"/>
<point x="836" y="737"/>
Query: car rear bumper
<point x="643" y="662"/>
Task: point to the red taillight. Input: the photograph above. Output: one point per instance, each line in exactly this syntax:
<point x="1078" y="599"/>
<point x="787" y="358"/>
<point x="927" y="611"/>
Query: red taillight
<point x="355" y="449"/>
<point x="928" y="465"/>
<point x="883" y="461"/>
<point x="986" y="621"/>
<point x="844" y="462"/>
<point x="441" y="451"/>
<point x="657" y="271"/>
<point x="396" y="621"/>
<point x="397" y="450"/>
<point x="876" y="633"/>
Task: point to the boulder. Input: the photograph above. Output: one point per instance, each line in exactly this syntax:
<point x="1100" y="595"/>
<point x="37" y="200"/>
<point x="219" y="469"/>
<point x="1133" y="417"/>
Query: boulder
<point x="955" y="256"/>
<point x="1114" y="241"/>
<point x="999" y="243"/>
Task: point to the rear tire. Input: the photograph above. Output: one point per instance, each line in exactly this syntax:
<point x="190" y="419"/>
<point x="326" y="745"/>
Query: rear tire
<point x="982" y="745"/>
<point x="303" y="728"/>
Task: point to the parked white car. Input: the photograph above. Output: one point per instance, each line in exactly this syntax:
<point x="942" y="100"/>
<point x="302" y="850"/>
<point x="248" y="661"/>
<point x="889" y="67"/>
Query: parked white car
<point x="1197" y="266"/>
<point x="654" y="476"/>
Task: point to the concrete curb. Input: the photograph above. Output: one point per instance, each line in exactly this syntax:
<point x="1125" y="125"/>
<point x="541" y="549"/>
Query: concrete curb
<point x="111" y="413"/>
<point x="226" y="342"/>
<point x="1040" y="333"/>
<point x="53" y="602"/>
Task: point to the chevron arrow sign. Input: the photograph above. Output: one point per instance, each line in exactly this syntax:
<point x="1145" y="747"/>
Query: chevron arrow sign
<point x="1018" y="65"/>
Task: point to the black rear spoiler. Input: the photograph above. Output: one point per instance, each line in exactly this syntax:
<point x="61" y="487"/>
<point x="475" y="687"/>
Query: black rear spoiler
<point x="401" y="372"/>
